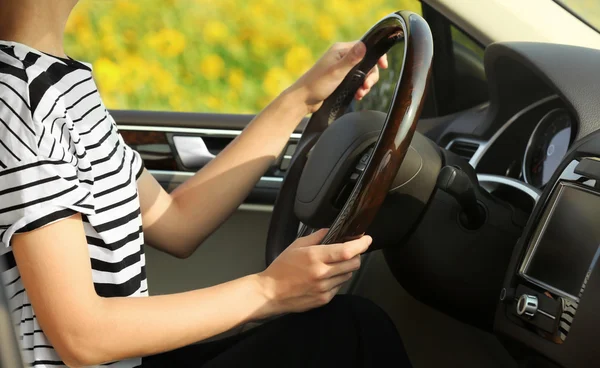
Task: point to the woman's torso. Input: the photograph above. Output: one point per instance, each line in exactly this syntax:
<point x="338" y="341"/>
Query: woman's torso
<point x="61" y="153"/>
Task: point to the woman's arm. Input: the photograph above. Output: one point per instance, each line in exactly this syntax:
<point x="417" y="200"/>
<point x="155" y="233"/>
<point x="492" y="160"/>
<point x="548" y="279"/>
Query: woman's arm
<point x="86" y="329"/>
<point x="179" y="222"/>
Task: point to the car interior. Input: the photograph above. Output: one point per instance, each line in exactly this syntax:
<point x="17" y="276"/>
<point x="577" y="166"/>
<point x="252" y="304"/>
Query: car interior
<point x="476" y="170"/>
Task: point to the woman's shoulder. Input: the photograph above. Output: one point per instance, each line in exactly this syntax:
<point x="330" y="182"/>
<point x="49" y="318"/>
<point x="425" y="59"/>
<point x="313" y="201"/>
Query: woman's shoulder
<point x="33" y="104"/>
<point x="17" y="127"/>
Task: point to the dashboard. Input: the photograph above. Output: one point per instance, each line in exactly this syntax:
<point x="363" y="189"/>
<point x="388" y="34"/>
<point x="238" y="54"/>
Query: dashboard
<point x="528" y="147"/>
<point x="547" y="146"/>
<point x="536" y="145"/>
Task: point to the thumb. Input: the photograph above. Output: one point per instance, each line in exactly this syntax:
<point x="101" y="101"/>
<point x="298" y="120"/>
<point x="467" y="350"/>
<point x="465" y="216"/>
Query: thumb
<point x="312" y="239"/>
<point x="352" y="57"/>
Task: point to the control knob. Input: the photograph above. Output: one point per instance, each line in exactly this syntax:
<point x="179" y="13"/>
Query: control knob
<point x="527" y="306"/>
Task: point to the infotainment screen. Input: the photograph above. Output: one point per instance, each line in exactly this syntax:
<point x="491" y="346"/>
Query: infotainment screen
<point x="565" y="247"/>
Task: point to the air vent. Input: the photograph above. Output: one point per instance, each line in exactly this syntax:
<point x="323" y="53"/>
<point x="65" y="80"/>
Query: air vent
<point x="464" y="149"/>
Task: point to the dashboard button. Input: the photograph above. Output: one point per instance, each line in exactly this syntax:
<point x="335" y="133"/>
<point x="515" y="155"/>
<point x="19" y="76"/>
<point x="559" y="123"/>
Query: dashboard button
<point x="527" y="305"/>
<point x="361" y="167"/>
<point x="589" y="168"/>
<point x="507" y="295"/>
<point x="285" y="163"/>
<point x="291" y="148"/>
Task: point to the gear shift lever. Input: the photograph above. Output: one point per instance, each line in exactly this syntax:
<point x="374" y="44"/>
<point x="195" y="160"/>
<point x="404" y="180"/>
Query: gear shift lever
<point x="457" y="183"/>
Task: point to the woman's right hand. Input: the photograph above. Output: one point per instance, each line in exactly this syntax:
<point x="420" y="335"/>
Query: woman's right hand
<point x="307" y="275"/>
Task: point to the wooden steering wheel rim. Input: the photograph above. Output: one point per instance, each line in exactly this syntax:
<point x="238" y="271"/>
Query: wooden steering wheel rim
<point x="392" y="145"/>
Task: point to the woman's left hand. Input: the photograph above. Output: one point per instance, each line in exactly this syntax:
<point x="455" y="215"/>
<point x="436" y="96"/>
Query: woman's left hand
<point x="330" y="70"/>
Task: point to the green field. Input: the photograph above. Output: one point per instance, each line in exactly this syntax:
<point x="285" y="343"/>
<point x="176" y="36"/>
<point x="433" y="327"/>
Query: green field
<point x="210" y="56"/>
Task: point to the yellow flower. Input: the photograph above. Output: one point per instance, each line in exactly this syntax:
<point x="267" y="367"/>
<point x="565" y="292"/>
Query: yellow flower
<point x="76" y="22"/>
<point x="163" y="80"/>
<point x="110" y="46"/>
<point x="107" y="26"/>
<point x="257" y="11"/>
<point x="213" y="103"/>
<point x="298" y="59"/>
<point x="279" y="39"/>
<point x="87" y="39"/>
<point x="276" y="80"/>
<point x="175" y="102"/>
<point x="337" y="7"/>
<point x="326" y="27"/>
<point x="131" y="37"/>
<point x="167" y="42"/>
<point x="215" y="32"/>
<point x="232" y="97"/>
<point x="259" y="46"/>
<point x="179" y="102"/>
<point x="107" y="74"/>
<point x="303" y="11"/>
<point x="236" y="79"/>
<point x="127" y="7"/>
<point x="136" y="73"/>
<point x="212" y="67"/>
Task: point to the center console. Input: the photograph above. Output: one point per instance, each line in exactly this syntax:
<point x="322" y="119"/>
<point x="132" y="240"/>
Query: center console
<point x="550" y="300"/>
<point x="565" y="246"/>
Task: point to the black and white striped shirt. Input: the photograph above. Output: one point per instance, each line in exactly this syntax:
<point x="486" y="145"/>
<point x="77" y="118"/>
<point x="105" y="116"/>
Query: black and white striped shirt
<point x="61" y="153"/>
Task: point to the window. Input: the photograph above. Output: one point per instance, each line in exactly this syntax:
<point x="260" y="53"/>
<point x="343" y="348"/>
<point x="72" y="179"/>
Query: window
<point x="586" y="10"/>
<point x="459" y="80"/>
<point x="230" y="56"/>
<point x="470" y="82"/>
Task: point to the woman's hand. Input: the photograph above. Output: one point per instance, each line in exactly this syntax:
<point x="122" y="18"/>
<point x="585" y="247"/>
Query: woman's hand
<point x="323" y="78"/>
<point x="307" y="275"/>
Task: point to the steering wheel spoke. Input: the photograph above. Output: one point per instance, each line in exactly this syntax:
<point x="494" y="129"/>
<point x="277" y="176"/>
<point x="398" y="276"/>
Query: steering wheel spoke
<point x="304" y="230"/>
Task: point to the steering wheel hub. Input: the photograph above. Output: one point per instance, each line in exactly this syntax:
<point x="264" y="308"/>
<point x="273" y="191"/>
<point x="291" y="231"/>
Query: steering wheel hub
<point x="333" y="160"/>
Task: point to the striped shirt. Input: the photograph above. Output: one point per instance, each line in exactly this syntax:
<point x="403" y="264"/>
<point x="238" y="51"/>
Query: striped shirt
<point x="61" y="154"/>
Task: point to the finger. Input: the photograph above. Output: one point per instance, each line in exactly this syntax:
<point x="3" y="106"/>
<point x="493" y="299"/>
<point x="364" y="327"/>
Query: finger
<point x="340" y="268"/>
<point x="333" y="282"/>
<point x="352" y="57"/>
<point x="342" y="48"/>
<point x="333" y="253"/>
<point x="311" y="239"/>
<point x="333" y="292"/>
<point x="383" y="62"/>
<point x="364" y="90"/>
<point x="361" y="93"/>
<point x="374" y="70"/>
<point x="371" y="79"/>
<point x="326" y="297"/>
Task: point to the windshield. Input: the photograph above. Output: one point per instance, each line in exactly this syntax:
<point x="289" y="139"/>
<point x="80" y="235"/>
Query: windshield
<point x="587" y="10"/>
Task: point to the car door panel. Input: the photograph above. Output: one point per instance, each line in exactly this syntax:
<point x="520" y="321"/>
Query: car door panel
<point x="174" y="146"/>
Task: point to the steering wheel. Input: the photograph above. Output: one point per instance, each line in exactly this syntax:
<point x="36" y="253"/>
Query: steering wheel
<point x="393" y="142"/>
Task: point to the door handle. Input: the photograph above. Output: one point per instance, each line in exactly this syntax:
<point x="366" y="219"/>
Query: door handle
<point x="192" y="151"/>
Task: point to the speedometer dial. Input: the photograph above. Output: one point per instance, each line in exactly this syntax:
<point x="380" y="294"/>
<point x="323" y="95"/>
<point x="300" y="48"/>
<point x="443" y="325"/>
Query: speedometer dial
<point x="547" y="146"/>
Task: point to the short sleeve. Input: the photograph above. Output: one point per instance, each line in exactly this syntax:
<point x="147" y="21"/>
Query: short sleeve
<point x="41" y="192"/>
<point x="138" y="163"/>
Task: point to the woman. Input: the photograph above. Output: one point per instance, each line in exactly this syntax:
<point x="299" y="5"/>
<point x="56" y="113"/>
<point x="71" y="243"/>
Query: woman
<point x="76" y="206"/>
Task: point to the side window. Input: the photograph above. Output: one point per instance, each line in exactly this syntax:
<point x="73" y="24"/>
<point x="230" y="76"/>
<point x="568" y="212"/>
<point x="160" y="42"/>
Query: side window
<point x="230" y="56"/>
<point x="469" y="75"/>
<point x="458" y="75"/>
